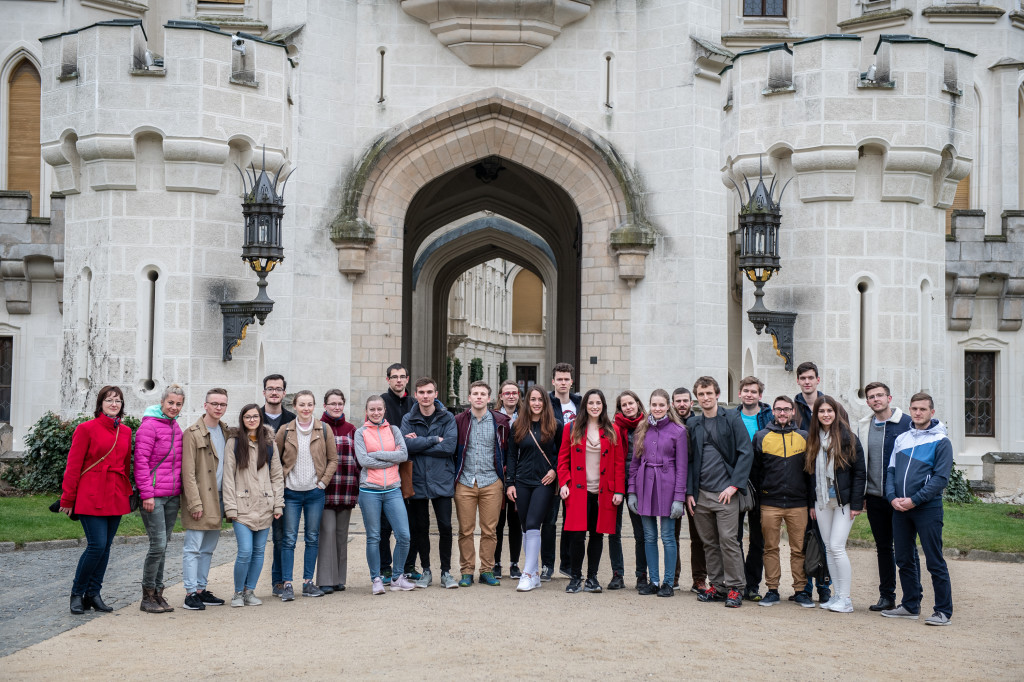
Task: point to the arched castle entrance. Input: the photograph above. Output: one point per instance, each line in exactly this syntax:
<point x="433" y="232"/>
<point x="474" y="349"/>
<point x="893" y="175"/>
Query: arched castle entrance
<point x="566" y="207"/>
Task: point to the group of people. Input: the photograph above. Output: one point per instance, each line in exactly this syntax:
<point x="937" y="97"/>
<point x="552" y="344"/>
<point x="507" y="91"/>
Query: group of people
<point x="516" y="462"/>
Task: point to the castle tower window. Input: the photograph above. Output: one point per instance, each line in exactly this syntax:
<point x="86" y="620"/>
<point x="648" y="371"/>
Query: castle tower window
<point x="764" y="8"/>
<point x="6" y="370"/>
<point x="23" y="148"/>
<point x="979" y="394"/>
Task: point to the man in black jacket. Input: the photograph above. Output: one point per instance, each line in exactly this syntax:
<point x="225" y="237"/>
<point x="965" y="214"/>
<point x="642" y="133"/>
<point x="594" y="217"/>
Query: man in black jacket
<point x="397" y="403"/>
<point x="722" y="458"/>
<point x="785" y="492"/>
<point x="566" y="405"/>
<point x="275" y="416"/>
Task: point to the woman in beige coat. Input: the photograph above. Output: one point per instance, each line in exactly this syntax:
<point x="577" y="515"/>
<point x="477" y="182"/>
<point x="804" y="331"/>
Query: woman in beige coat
<point x="253" y="491"/>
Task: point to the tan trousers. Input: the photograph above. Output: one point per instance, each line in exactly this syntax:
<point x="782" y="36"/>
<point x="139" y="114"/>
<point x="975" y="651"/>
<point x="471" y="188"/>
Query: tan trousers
<point x="796" y="526"/>
<point x="486" y="501"/>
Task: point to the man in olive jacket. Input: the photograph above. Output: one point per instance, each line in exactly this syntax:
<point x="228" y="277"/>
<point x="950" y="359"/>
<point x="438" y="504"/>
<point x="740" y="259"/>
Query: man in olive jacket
<point x="202" y="470"/>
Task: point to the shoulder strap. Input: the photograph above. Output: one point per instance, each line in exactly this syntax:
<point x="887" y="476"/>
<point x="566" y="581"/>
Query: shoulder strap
<point x="540" y="448"/>
<point x="117" y="433"/>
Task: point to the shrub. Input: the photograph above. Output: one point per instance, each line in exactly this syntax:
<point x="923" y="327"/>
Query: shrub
<point x="476" y="370"/>
<point x="47" y="445"/>
<point x="958" y="490"/>
<point x="502" y="371"/>
<point x="456" y="377"/>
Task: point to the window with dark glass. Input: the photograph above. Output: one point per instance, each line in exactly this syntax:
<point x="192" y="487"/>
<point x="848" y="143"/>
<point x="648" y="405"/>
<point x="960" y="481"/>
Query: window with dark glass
<point x="979" y="394"/>
<point x="764" y="8"/>
<point x="6" y="367"/>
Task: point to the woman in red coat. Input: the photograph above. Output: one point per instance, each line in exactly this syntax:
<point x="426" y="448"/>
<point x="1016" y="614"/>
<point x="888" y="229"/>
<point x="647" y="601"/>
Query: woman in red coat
<point x="591" y="471"/>
<point x="97" y="484"/>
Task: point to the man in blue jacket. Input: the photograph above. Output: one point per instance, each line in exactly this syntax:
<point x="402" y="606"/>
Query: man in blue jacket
<point x="918" y="472"/>
<point x="756" y="415"/>
<point x="878" y="432"/>
<point x="429" y="431"/>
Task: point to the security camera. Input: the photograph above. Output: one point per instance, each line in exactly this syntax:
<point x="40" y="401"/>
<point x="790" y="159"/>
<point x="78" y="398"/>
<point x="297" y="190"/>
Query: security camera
<point x="238" y="45"/>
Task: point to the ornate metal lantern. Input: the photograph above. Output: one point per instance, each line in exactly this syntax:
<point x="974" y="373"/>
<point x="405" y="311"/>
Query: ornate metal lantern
<point x="760" y="220"/>
<point x="263" y="209"/>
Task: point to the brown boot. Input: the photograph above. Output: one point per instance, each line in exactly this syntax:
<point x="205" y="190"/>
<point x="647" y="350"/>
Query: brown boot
<point x="149" y="603"/>
<point x="159" y="596"/>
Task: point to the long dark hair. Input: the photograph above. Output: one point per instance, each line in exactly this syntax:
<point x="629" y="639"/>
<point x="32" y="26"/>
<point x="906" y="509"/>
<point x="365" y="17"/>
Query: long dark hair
<point x="242" y="440"/>
<point x="521" y="429"/>
<point x="579" y="425"/>
<point x="842" y="448"/>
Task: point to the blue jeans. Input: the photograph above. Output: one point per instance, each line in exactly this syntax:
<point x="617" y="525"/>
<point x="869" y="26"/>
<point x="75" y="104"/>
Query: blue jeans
<point x="297" y="503"/>
<point x="249" y="561"/>
<point x="668" y="540"/>
<point x="196" y="557"/>
<point x="926" y="523"/>
<point x="92" y="565"/>
<point x="390" y="502"/>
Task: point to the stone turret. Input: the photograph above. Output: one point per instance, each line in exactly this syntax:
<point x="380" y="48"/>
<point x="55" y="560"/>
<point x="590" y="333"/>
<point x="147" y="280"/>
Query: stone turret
<point x="875" y="143"/>
<point x="144" y="147"/>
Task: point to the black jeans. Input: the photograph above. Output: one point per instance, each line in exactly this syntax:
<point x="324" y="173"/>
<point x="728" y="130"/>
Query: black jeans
<point x="547" y="536"/>
<point x="594" y="546"/>
<point x="515" y="533"/>
<point x="615" y="544"/>
<point x="419" y="529"/>
<point x="753" y="558"/>
<point x="880" y="517"/>
<point x="532" y="505"/>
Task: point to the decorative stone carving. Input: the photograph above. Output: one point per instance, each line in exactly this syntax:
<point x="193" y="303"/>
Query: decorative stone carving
<point x="496" y="33"/>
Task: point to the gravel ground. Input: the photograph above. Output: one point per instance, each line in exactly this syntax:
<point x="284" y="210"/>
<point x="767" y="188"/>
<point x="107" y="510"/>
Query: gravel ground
<point x="486" y="632"/>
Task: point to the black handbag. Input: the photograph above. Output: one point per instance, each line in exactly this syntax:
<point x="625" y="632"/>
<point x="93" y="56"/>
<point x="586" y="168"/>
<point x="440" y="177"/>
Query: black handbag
<point x="749" y="500"/>
<point x="815" y="563"/>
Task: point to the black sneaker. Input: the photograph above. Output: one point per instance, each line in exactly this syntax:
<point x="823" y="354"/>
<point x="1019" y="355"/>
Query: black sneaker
<point x="592" y="586"/>
<point x="734" y="600"/>
<point x="751" y="594"/>
<point x="647" y="588"/>
<point x="616" y="583"/>
<point x="545" y="574"/>
<point x="710" y="595"/>
<point x="497" y="570"/>
<point x="640" y="582"/>
<point x="665" y="590"/>
<point x="565" y="571"/>
<point x="824" y="594"/>
<point x="675" y="584"/>
<point x="193" y="602"/>
<point x="883" y="605"/>
<point x="207" y="598"/>
<point x="770" y="599"/>
<point x="513" y="571"/>
<point x="575" y="585"/>
<point x="804" y="599"/>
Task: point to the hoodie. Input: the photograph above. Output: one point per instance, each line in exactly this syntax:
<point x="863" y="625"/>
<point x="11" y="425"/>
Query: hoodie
<point x="920" y="464"/>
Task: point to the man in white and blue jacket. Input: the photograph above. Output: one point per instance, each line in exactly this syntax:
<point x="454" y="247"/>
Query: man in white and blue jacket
<point x="918" y="471"/>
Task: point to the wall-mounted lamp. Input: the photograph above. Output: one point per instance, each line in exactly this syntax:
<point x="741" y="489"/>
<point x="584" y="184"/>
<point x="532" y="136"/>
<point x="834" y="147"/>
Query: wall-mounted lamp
<point x="263" y="209"/>
<point x="760" y="219"/>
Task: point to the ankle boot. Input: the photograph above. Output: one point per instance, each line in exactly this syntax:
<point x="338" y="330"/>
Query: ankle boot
<point x="149" y="603"/>
<point x="96" y="602"/>
<point x="159" y="597"/>
<point x="76" y="604"/>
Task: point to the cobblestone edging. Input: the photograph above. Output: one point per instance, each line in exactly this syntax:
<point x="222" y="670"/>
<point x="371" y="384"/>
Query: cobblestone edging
<point x="80" y="542"/>
<point x="960" y="554"/>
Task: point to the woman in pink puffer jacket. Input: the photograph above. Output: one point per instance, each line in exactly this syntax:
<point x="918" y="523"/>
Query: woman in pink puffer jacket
<point x="158" y="478"/>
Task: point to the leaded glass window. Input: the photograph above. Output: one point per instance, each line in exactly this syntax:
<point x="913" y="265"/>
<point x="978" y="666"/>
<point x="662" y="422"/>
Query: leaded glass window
<point x="6" y="367"/>
<point x="979" y="394"/>
<point x="764" y="8"/>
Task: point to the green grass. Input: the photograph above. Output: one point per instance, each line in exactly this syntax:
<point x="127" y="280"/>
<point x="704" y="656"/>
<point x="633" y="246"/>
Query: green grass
<point x="971" y="526"/>
<point x="28" y="519"/>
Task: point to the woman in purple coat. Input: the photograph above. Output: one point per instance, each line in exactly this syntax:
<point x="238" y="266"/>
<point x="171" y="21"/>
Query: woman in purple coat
<point x="657" y="485"/>
<point x="158" y="478"/>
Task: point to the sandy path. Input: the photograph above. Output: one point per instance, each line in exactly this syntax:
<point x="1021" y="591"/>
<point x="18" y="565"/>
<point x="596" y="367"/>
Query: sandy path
<point x="495" y="632"/>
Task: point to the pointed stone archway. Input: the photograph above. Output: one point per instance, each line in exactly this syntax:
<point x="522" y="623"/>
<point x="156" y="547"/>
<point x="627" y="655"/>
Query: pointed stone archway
<point x="560" y="156"/>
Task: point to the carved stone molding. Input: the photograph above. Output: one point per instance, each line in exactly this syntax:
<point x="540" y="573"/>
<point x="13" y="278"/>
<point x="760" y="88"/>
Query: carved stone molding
<point x="496" y="33"/>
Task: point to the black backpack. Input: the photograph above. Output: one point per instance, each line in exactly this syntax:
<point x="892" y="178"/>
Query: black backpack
<point x="815" y="563"/>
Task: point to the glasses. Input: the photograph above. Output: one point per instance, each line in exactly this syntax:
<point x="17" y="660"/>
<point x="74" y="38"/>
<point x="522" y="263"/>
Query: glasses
<point x="111" y="401"/>
<point x="399" y="376"/>
<point x="510" y="394"/>
<point x="221" y="406"/>
<point x="782" y="409"/>
<point x="273" y="390"/>
<point x="251" y="417"/>
<point x="335" y="404"/>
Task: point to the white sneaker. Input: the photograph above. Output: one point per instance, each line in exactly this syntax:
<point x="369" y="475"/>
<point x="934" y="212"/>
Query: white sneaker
<point x="401" y="584"/>
<point x="448" y="581"/>
<point x="250" y="599"/>
<point x="535" y="577"/>
<point x="841" y="605"/>
<point x="525" y="583"/>
<point x="378" y="586"/>
<point x="831" y="600"/>
<point x="237" y="599"/>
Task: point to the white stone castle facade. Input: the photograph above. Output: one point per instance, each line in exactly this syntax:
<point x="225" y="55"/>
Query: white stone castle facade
<point x="586" y="142"/>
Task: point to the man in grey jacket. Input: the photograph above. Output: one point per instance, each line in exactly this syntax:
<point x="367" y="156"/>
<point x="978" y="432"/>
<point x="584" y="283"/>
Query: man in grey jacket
<point x="431" y="437"/>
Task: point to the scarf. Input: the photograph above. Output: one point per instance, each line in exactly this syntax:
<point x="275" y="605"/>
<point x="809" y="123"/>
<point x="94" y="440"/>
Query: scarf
<point x="824" y="471"/>
<point x="628" y="424"/>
